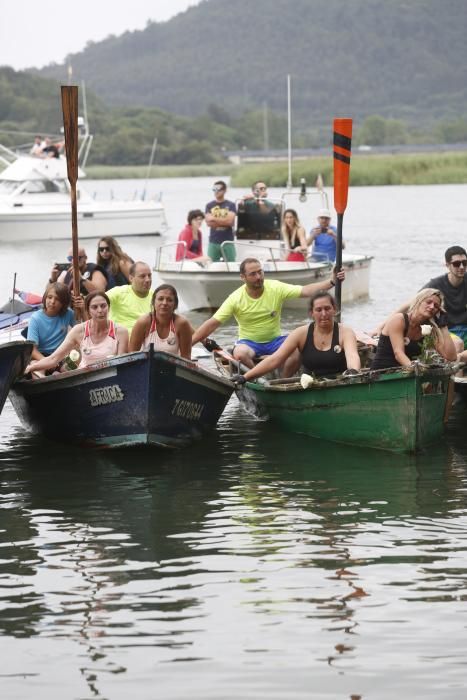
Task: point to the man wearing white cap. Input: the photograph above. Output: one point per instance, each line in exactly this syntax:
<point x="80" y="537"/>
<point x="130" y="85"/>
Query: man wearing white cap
<point x="323" y="238"/>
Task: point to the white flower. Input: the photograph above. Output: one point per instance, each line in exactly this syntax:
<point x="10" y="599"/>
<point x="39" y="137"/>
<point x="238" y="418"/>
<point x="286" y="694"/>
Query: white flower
<point x="306" y="380"/>
<point x="426" y="329"/>
<point x="74" y="356"/>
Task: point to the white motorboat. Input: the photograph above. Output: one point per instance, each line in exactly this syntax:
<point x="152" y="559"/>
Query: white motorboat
<point x="35" y="204"/>
<point x="206" y="286"/>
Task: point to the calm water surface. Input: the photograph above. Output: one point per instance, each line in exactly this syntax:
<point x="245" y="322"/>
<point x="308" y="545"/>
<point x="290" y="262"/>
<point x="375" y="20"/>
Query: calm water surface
<point x="256" y="565"/>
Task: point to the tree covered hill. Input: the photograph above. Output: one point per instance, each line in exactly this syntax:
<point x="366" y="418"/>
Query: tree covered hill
<point x="402" y="59"/>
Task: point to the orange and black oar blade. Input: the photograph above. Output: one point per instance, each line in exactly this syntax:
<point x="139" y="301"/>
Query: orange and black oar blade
<point x="342" y="147"/>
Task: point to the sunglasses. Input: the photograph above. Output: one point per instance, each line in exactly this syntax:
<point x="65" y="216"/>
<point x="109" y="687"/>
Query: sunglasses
<point x="458" y="263"/>
<point x="104" y="249"/>
<point x="80" y="257"/>
<point x="218" y="189"/>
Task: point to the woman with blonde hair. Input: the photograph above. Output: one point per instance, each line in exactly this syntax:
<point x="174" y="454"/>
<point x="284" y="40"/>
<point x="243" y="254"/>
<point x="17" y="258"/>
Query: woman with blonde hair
<point x="294" y="236"/>
<point x="401" y="337"/>
<point x="115" y="262"/>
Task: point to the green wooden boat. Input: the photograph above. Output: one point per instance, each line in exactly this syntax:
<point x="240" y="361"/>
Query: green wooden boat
<point x="385" y="409"/>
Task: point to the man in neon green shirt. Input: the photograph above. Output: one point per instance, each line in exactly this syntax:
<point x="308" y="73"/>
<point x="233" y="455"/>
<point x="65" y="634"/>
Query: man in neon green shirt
<point x="257" y="307"/>
<point x="130" y="301"/>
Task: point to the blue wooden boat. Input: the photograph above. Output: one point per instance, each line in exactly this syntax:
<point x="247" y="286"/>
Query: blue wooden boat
<point x="14" y="357"/>
<point x="142" y="398"/>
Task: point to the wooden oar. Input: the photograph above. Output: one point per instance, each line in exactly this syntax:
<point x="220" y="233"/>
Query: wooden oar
<point x="342" y="141"/>
<point x="227" y="356"/>
<point x="70" y="127"/>
<point x="242" y="369"/>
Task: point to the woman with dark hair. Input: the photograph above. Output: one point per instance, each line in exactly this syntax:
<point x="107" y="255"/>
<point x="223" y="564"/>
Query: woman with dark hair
<point x="162" y="327"/>
<point x="115" y="262"/>
<point x="294" y="236"/>
<point x="95" y="339"/>
<point x="191" y="239"/>
<point x="326" y="347"/>
<point x="48" y="327"/>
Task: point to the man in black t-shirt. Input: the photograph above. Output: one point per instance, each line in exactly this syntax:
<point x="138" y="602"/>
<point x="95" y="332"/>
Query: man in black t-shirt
<point x="92" y="276"/>
<point x="453" y="286"/>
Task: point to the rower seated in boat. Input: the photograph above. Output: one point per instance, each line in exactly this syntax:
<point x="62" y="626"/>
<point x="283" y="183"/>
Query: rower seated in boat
<point x="48" y="326"/>
<point x="326" y="347"/>
<point x="162" y="327"/>
<point x="95" y="339"/>
<point x="401" y="338"/>
<point x="257" y="307"/>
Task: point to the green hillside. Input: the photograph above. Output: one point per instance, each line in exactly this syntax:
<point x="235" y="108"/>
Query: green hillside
<point x="402" y="59"/>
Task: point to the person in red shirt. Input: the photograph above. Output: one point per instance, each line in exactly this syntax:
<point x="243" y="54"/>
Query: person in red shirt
<point x="192" y="237"/>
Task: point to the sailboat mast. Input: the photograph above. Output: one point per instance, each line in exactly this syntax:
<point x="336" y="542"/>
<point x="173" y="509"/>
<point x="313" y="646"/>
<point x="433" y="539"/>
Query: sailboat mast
<point x="289" y="126"/>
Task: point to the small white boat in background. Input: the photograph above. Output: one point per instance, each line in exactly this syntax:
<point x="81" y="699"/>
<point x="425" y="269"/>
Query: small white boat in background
<point x="35" y="203"/>
<point x="207" y="286"/>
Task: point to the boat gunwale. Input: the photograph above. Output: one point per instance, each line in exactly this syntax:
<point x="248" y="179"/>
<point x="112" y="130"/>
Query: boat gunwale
<point x="128" y="358"/>
<point x="365" y="377"/>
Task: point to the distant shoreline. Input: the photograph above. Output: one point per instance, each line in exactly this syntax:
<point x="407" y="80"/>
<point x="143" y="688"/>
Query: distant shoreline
<point x="366" y="170"/>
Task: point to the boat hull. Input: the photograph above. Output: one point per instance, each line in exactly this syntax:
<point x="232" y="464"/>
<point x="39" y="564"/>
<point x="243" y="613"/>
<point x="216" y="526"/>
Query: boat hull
<point x="385" y="410"/>
<point x="206" y="288"/>
<point x="14" y="357"/>
<point x="94" y="221"/>
<point x="143" y="398"/>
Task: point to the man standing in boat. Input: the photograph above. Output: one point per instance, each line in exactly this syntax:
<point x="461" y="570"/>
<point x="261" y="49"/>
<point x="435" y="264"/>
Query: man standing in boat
<point x="130" y="301"/>
<point x="323" y="238"/>
<point x="258" y="217"/>
<point x="220" y="217"/>
<point x="257" y="307"/>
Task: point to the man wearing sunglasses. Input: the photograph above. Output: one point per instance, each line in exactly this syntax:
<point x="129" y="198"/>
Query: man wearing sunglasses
<point x="453" y="286"/>
<point x="220" y="217"/>
<point x="258" y="199"/>
<point x="92" y="276"/>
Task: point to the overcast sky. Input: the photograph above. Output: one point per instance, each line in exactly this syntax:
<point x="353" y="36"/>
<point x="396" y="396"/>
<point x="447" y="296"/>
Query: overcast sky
<point x="34" y="33"/>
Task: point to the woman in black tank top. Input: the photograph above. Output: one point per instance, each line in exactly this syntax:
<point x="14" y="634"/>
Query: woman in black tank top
<point x="326" y="347"/>
<point x="401" y="338"/>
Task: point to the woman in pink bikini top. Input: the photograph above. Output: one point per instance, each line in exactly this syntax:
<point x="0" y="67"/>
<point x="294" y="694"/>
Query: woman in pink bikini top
<point x="162" y="327"/>
<point x="96" y="339"/>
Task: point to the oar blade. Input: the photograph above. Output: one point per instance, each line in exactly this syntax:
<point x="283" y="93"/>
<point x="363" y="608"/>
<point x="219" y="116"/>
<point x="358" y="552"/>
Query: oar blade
<point x="70" y="127"/>
<point x="342" y="148"/>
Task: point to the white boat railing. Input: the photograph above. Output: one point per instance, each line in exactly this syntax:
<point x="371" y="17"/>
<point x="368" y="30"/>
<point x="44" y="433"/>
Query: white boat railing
<point x="272" y="259"/>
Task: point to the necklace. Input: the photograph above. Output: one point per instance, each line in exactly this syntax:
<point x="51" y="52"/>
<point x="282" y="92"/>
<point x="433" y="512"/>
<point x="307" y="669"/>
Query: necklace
<point x="322" y="340"/>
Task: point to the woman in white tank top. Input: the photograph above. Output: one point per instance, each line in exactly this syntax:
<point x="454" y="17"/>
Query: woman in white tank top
<point x="96" y="339"/>
<point x="162" y="327"/>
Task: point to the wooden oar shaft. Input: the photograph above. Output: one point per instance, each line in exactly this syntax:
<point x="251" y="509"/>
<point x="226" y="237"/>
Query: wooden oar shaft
<point x="74" y="240"/>
<point x="338" y="293"/>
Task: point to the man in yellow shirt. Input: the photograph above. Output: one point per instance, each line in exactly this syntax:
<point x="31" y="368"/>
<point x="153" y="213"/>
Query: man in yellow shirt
<point x="257" y="307"/>
<point x="130" y="301"/>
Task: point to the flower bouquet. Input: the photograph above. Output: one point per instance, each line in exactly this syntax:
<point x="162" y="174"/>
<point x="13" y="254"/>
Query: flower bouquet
<point x="428" y="344"/>
<point x="72" y="360"/>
